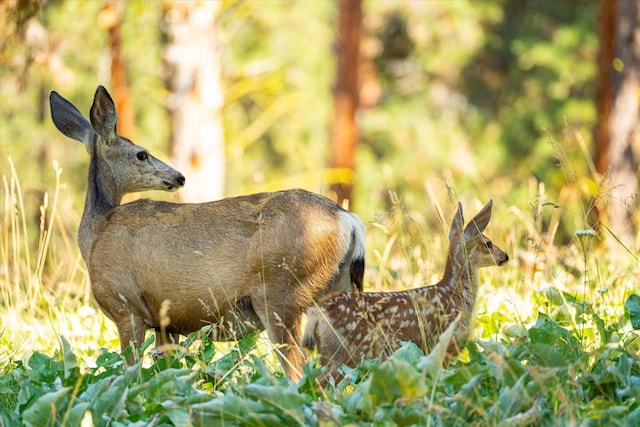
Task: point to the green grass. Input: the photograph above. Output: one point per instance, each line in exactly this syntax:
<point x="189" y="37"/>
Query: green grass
<point x="556" y="337"/>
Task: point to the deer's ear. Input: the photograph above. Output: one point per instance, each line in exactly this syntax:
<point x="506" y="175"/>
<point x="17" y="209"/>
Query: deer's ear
<point x="103" y="115"/>
<point x="69" y="120"/>
<point x="457" y="224"/>
<point x="479" y="222"/>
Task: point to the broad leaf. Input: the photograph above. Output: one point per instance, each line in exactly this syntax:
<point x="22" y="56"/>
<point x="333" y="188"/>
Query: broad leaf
<point x="632" y="307"/>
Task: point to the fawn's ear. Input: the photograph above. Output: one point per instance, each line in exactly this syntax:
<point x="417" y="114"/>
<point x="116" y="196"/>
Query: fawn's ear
<point x="458" y="223"/>
<point x="103" y="115"/>
<point x="479" y="222"/>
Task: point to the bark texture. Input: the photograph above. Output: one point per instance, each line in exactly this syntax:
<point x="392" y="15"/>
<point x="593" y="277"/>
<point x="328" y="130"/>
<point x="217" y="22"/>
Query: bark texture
<point x="617" y="131"/>
<point x="344" y="130"/>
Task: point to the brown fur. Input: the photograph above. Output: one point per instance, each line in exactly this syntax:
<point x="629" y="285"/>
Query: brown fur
<point x="242" y="264"/>
<point x="347" y="327"/>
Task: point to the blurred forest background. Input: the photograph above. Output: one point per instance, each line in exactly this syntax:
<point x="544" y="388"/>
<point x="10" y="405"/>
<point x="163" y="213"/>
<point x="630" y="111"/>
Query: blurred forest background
<point x="396" y="108"/>
<point x="497" y="98"/>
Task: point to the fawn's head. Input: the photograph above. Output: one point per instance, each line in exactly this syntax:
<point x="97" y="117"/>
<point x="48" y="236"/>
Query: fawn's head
<point x="130" y="167"/>
<point x="468" y="244"/>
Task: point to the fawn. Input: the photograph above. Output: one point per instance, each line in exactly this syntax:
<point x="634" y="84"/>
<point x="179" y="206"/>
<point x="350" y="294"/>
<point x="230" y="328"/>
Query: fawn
<point x="346" y="327"/>
<point x="243" y="264"/>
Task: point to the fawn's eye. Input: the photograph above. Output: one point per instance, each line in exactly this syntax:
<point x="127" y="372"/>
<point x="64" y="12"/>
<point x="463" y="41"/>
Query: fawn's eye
<point x="488" y="244"/>
<point x="142" y="156"/>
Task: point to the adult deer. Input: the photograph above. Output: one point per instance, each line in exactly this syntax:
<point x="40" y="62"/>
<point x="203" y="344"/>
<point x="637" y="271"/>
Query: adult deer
<point x="347" y="327"/>
<point x="242" y="264"/>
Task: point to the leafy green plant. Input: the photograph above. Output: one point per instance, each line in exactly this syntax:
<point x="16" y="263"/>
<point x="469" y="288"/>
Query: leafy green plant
<point x="548" y="378"/>
<point x="632" y="307"/>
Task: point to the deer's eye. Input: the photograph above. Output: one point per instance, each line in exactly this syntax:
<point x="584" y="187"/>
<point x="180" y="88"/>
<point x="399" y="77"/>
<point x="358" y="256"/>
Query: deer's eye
<point x="142" y="156"/>
<point x="488" y="244"/>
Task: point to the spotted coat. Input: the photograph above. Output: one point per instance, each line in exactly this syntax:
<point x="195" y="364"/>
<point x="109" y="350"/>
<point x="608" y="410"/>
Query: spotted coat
<point x="346" y="327"/>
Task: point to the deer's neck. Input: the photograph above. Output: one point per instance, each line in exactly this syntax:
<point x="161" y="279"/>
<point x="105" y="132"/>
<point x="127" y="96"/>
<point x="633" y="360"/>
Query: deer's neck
<point x="102" y="196"/>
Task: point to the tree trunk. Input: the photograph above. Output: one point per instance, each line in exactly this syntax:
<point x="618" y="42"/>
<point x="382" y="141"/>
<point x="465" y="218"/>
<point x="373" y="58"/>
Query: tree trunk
<point x="617" y="129"/>
<point x="110" y="18"/>
<point x="344" y="131"/>
<point x="192" y="67"/>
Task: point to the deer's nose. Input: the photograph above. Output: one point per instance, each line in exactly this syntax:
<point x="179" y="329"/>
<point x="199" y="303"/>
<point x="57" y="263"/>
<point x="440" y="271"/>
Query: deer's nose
<point x="180" y="180"/>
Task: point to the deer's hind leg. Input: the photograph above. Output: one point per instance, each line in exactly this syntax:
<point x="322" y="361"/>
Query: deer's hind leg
<point x="283" y="324"/>
<point x="131" y="330"/>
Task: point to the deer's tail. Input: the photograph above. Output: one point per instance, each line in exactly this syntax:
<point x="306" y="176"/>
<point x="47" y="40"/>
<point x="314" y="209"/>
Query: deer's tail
<point x="356" y="251"/>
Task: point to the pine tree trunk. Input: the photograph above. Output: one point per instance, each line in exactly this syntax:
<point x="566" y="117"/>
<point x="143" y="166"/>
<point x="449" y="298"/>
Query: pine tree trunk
<point x="195" y="101"/>
<point x="344" y="131"/>
<point x="110" y="18"/>
<point x="616" y="134"/>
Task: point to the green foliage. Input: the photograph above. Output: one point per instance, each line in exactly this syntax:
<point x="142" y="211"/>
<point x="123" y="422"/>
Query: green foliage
<point x="549" y="378"/>
<point x="632" y="306"/>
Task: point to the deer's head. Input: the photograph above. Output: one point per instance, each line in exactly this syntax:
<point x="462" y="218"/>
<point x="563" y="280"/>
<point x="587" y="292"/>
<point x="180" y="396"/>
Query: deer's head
<point x="127" y="166"/>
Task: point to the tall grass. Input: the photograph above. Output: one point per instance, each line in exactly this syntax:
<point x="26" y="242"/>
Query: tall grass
<point x="583" y="277"/>
<point x="553" y="342"/>
<point x="44" y="288"/>
<point x="45" y="293"/>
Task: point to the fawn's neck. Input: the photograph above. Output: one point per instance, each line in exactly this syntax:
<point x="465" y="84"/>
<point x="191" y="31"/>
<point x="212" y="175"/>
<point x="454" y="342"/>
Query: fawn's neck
<point x="459" y="283"/>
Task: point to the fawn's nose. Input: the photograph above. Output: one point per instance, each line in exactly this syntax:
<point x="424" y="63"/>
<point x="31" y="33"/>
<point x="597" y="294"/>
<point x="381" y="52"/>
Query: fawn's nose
<point x="180" y="180"/>
<point x="504" y="260"/>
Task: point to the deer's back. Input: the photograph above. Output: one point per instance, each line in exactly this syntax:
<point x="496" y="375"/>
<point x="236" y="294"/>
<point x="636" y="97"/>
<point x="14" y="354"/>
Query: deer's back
<point x="193" y="254"/>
